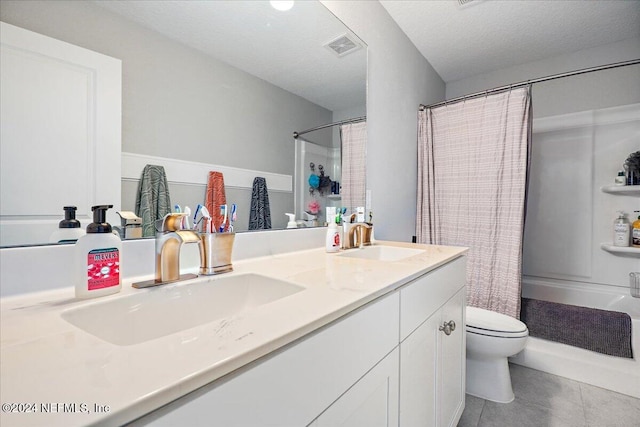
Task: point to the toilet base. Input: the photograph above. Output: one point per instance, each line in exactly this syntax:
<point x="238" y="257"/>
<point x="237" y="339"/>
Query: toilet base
<point x="489" y="379"/>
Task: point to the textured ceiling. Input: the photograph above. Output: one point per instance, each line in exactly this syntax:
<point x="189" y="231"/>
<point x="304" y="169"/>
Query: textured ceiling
<point x="283" y="48"/>
<point x="286" y="48"/>
<point x="487" y="35"/>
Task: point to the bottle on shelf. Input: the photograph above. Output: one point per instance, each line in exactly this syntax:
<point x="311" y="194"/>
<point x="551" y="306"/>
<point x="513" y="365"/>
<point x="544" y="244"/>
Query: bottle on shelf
<point x="635" y="231"/>
<point x="621" y="230"/>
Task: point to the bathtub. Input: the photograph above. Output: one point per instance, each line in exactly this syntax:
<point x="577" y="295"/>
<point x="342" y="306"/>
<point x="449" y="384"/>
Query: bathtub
<point x="613" y="373"/>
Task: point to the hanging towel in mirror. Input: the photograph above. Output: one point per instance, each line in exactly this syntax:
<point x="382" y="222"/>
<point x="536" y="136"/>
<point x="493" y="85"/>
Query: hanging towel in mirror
<point x="152" y="201"/>
<point x="215" y="196"/>
<point x="260" y="213"/>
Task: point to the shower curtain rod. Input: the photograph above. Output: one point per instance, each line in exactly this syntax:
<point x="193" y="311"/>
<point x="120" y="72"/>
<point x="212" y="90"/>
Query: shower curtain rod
<point x="528" y="82"/>
<point x="354" y="120"/>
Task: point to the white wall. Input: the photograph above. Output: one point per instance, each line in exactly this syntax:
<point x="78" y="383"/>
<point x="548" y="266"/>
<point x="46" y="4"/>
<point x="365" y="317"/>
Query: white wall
<point x="568" y="95"/>
<point x="399" y="80"/>
<point x="573" y="155"/>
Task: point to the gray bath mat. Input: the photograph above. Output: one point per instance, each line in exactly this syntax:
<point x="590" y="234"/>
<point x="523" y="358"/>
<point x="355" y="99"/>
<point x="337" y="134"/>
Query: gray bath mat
<point x="607" y="332"/>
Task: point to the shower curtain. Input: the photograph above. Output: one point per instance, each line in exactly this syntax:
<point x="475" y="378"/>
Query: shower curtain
<point x="472" y="171"/>
<point x="354" y="138"/>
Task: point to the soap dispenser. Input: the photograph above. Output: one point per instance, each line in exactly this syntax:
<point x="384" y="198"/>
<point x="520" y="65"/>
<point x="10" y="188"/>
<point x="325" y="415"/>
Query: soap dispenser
<point x="98" y="258"/>
<point x="292" y="221"/>
<point x="621" y="230"/>
<point x="332" y="242"/>
<point x="68" y="229"/>
<point x="635" y="231"/>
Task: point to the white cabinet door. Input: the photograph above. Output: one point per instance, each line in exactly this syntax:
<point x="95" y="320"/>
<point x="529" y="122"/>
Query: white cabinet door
<point x="452" y="361"/>
<point x="432" y="367"/>
<point x="60" y="115"/>
<point x="418" y="363"/>
<point x="371" y="402"/>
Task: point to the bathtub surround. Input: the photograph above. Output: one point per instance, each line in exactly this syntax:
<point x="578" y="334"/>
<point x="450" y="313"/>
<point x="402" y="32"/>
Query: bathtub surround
<point x="602" y="331"/>
<point x="613" y="373"/>
<point x="472" y="171"/>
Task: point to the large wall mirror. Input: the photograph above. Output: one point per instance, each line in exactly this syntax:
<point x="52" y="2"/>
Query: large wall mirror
<point x="206" y="85"/>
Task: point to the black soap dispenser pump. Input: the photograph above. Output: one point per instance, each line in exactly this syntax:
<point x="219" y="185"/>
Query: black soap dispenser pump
<point x="69" y="229"/>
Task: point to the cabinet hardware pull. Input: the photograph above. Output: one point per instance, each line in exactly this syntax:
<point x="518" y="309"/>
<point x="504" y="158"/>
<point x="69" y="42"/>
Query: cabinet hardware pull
<point x="448" y="327"/>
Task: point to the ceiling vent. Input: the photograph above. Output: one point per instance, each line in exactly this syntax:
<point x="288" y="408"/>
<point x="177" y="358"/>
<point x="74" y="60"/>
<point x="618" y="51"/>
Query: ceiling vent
<point x="343" y="45"/>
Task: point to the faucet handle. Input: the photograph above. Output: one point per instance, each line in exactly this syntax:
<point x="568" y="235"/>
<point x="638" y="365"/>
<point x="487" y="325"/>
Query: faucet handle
<point x="170" y="222"/>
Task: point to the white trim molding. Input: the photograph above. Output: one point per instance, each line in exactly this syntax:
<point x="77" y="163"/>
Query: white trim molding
<point x="195" y="173"/>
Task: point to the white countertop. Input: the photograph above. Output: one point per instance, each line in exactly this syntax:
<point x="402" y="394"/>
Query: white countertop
<point x="44" y="360"/>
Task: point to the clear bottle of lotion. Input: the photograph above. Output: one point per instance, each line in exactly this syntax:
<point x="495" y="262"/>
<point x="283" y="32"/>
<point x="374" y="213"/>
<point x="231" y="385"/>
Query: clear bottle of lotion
<point x="98" y="258"/>
<point x="621" y="230"/>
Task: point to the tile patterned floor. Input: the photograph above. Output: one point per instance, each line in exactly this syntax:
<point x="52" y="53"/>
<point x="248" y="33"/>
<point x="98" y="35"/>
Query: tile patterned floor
<point x="545" y="400"/>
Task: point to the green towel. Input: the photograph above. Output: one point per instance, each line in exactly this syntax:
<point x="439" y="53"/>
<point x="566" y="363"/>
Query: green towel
<point x="152" y="201"/>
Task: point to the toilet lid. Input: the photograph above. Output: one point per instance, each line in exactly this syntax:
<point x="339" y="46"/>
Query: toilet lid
<point x="487" y="322"/>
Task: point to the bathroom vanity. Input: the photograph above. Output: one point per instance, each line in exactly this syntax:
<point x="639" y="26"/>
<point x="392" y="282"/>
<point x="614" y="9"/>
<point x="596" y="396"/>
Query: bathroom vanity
<point x="366" y="337"/>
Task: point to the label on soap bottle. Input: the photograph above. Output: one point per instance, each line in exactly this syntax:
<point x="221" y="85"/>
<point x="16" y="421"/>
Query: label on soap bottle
<point x="103" y="268"/>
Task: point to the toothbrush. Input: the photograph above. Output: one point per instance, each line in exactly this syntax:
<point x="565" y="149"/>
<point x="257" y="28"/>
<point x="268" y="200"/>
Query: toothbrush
<point x="208" y="226"/>
<point x="234" y="216"/>
<point x="223" y="211"/>
<point x="195" y="224"/>
<point x="176" y="208"/>
<point x="185" y="219"/>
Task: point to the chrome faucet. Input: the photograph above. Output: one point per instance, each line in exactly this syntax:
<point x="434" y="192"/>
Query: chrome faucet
<point x="169" y="240"/>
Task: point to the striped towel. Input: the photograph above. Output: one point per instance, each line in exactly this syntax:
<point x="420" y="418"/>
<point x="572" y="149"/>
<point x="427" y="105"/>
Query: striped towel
<point x="152" y="201"/>
<point x="215" y="196"/>
<point x="260" y="213"/>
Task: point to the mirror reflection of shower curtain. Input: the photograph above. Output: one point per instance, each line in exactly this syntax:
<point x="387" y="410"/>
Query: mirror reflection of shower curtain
<point x="354" y="139"/>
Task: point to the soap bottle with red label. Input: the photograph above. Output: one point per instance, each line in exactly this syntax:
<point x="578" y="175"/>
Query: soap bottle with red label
<point x="332" y="242"/>
<point x="98" y="258"/>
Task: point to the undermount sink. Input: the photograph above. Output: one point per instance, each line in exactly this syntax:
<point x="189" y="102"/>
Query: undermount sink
<point x="161" y="311"/>
<point x="382" y="253"/>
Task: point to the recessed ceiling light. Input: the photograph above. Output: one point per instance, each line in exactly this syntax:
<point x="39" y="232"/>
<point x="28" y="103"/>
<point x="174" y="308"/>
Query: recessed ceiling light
<point x="281" y="5"/>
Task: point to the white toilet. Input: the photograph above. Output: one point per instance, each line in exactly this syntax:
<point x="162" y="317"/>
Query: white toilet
<point x="491" y="338"/>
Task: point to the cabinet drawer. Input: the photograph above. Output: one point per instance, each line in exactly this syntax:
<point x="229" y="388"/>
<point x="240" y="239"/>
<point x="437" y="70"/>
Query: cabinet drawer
<point x="423" y="296"/>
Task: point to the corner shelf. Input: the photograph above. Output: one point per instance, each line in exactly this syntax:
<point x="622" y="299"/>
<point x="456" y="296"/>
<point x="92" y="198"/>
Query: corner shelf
<point x="622" y="189"/>
<point x="620" y="249"/>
